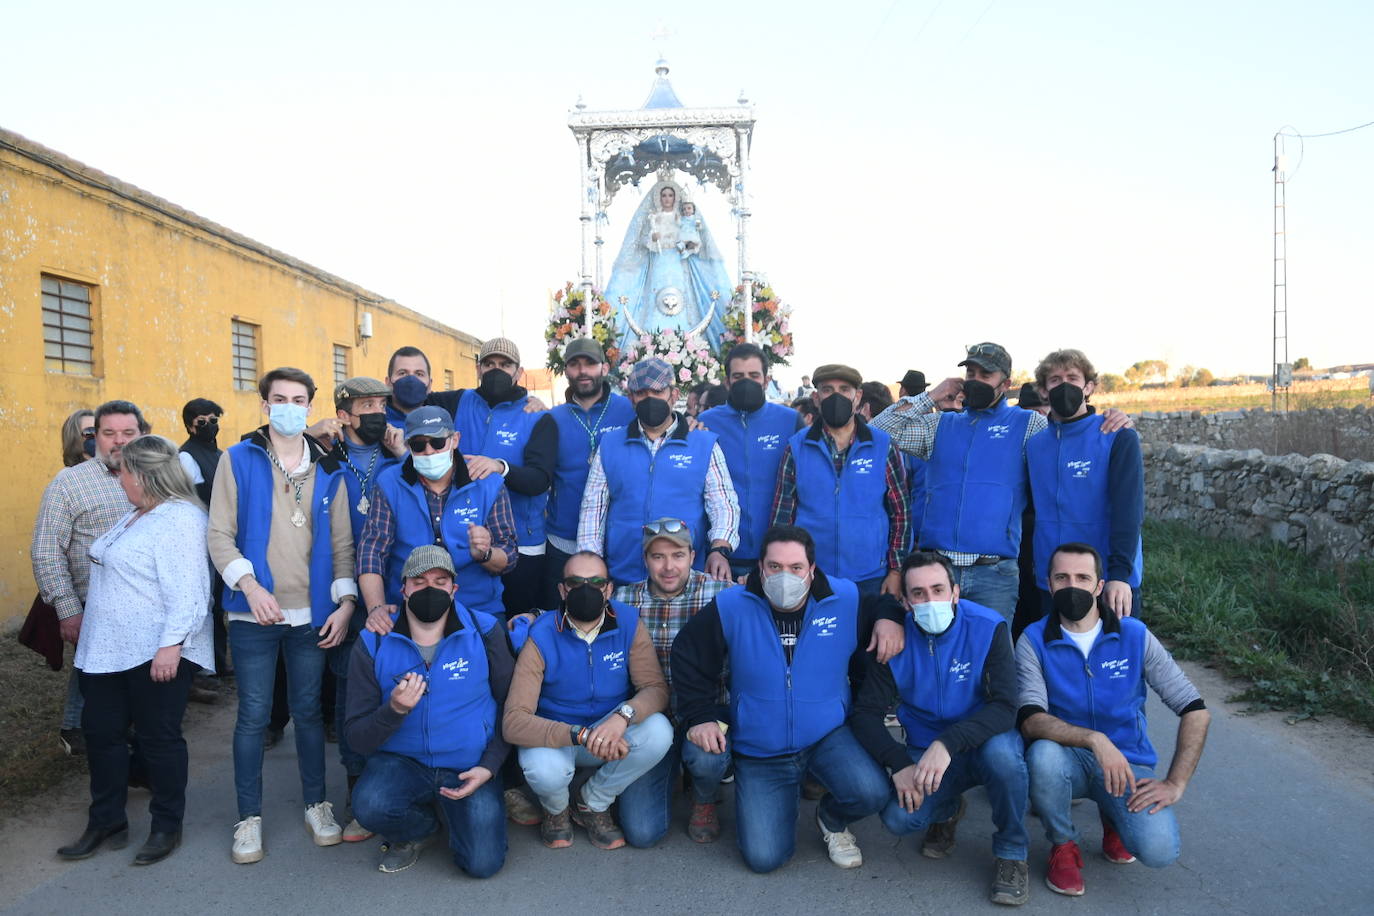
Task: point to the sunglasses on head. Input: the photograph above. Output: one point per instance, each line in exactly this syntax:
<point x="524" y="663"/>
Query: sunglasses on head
<point x="419" y="443"/>
<point x="593" y="581"/>
<point x="665" y="526"/>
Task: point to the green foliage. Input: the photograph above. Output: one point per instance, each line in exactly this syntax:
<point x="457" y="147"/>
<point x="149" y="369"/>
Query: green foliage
<point x="1147" y="370"/>
<point x="1108" y="381"/>
<point x="1302" y="362"/>
<point x="1202" y="378"/>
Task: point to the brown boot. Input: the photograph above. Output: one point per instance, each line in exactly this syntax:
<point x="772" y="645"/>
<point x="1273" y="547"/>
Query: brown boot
<point x="704" y="826"/>
<point x="600" y="826"/>
<point x="556" y="830"/>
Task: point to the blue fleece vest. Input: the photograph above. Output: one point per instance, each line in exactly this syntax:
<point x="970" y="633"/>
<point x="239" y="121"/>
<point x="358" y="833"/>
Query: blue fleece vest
<point x="846" y="515"/>
<point x="1069" y="486"/>
<point x="644" y="487"/>
<point x="456" y="718"/>
<point x="464" y="506"/>
<point x="916" y="496"/>
<point x="256" y="481"/>
<point x="940" y="678"/>
<point x="753" y="445"/>
<point x="976" y="482"/>
<point x="503" y="432"/>
<point x="575" y="445"/>
<point x="775" y="708"/>
<point x="355" y="488"/>
<point x="1105" y="694"/>
<point x="584" y="682"/>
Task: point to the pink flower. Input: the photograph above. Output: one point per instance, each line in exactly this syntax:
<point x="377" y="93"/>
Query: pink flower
<point x="684" y="374"/>
<point x="673" y="357"/>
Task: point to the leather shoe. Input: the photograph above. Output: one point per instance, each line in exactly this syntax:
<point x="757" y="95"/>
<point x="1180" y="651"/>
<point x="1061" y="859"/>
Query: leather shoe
<point x="84" y="848"/>
<point x="158" y="847"/>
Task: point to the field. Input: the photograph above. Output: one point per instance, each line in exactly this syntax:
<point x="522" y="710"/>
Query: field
<point x="1210" y="399"/>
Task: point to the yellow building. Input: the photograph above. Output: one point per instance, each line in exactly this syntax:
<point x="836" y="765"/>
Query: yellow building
<point x="107" y="291"/>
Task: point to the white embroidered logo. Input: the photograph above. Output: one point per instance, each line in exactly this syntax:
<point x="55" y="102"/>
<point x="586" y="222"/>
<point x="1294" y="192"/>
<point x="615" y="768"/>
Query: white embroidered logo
<point x="825" y="626"/>
<point x="615" y="658"/>
<point x="998" y="432"/>
<point x="1081" y="467"/>
<point x="507" y="437"/>
<point x="960" y="670"/>
<point x="457" y="670"/>
<point x="862" y="465"/>
<point x="1119" y="667"/>
<point x="769" y="441"/>
<point x="681" y="460"/>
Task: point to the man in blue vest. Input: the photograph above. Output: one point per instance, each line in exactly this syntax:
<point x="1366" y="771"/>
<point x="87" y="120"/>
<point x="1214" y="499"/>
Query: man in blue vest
<point x="752" y="434"/>
<point x="499" y="436"/>
<point x="411" y="380"/>
<point x="424" y="705"/>
<point x="588" y="691"/>
<point x="285" y="553"/>
<point x="590" y="409"/>
<point x="976" y="481"/>
<point x="1082" y="678"/>
<point x="657" y="469"/>
<point x="430" y="499"/>
<point x="955" y="689"/>
<point x="844" y="482"/>
<point x="788" y="637"/>
<point x="1086" y="486"/>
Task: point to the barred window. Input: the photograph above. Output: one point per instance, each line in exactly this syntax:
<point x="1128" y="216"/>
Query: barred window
<point x="245" y="352"/>
<point x="340" y="364"/>
<point x="448" y="379"/>
<point x="68" y="326"/>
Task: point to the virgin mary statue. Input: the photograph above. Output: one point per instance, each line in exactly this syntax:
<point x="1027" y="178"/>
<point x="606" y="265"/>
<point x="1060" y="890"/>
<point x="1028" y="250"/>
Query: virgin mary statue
<point x="669" y="274"/>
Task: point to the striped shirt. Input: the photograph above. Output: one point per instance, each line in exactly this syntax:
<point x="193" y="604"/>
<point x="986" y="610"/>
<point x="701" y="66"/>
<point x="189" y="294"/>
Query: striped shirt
<point x="379" y="531"/>
<point x="80" y="504"/>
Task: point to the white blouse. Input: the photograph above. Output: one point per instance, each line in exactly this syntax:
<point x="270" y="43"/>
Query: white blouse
<point x="150" y="587"/>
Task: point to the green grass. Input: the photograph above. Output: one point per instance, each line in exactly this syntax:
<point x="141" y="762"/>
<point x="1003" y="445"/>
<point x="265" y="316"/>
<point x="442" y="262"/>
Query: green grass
<point x="1302" y="634"/>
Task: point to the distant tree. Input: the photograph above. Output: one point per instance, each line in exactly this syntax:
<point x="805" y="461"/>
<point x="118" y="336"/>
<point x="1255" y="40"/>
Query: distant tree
<point x="1202" y="378"/>
<point x="1301" y="363"/>
<point x="1019" y="377"/>
<point x="1108" y="381"/>
<point x="1184" y="377"/>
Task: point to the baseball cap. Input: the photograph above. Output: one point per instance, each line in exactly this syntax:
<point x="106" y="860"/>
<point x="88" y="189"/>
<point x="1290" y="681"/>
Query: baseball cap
<point x="584" y="346"/>
<point x="837" y="372"/>
<point x="429" y="421"/>
<point x="426" y="557"/>
<point x="668" y="529"/>
<point x="651" y="374"/>
<point x="359" y="387"/>
<point x="990" y="356"/>
<point x="500" y="346"/>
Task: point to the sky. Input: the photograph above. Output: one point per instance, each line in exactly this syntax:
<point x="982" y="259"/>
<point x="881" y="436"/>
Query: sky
<point x="927" y="174"/>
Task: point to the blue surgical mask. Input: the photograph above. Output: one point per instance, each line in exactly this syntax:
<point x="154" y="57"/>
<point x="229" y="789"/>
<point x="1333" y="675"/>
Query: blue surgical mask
<point x="409" y="391"/>
<point x="434" y="466"/>
<point x="288" y="419"/>
<point x="934" y="617"/>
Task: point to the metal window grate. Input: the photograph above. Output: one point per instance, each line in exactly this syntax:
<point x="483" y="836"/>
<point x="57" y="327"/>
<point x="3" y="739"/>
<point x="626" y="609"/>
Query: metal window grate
<point x="68" y="327"/>
<point x="448" y="379"/>
<point x="244" y="338"/>
<point x="340" y="364"/>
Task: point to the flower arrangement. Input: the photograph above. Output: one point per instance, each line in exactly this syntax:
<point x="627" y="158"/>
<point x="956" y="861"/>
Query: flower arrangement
<point x="771" y="319"/>
<point x="690" y="356"/>
<point x="566" y="318"/>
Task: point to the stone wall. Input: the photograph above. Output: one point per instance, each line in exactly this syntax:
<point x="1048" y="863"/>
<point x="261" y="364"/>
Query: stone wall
<point x="1346" y="432"/>
<point x="1317" y="504"/>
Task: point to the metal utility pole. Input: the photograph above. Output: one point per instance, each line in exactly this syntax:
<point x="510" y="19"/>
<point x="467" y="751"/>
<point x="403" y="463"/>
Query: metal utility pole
<point x="1281" y="379"/>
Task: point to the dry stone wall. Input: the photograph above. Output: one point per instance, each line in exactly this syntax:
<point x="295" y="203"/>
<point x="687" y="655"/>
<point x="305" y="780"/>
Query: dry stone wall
<point x="1346" y="432"/>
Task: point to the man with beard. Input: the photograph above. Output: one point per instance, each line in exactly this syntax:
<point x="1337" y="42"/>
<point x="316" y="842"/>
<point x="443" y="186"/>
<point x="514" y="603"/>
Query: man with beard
<point x="80" y="504"/>
<point x="752" y="435"/>
<point x="588" y="691"/>
<point x="844" y="482"/>
<point x="658" y="468"/>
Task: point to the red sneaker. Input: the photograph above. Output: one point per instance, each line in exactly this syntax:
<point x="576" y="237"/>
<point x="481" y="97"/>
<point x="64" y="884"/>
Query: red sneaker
<point x="1065" y="874"/>
<point x="1113" y="850"/>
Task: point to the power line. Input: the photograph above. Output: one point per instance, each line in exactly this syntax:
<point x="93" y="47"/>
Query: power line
<point x="1330" y="133"/>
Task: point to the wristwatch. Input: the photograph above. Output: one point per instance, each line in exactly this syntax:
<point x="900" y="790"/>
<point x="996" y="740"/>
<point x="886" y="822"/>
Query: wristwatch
<point x="627" y="712"/>
<point x="723" y="550"/>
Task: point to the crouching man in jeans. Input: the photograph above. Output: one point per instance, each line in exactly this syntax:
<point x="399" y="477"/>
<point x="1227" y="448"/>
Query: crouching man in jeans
<point x="1082" y="677"/>
<point x="588" y="691"/>
<point x="424" y="702"/>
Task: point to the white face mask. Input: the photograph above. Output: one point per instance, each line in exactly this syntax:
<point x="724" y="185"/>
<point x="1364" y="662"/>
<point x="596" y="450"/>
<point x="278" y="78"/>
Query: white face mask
<point x="934" y="617"/>
<point x="288" y="419"/>
<point x="432" y="467"/>
<point x="786" y="590"/>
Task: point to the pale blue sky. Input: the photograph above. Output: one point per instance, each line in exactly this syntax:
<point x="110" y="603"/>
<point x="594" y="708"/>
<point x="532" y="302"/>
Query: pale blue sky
<point x="927" y="174"/>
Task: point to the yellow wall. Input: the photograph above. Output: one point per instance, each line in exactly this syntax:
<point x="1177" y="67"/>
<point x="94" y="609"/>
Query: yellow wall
<point x="168" y="285"/>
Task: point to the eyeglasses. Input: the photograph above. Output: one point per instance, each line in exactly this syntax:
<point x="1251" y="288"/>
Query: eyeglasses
<point x="419" y="443"/>
<point x="88" y="434"/>
<point x="665" y="526"/>
<point x="593" y="581"/>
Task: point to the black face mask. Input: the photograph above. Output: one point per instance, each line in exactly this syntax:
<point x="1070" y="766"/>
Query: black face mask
<point x="89" y="448"/>
<point x="371" y="427"/>
<point x="746" y="395"/>
<point x="836" y="410"/>
<point x="429" y="604"/>
<point x="1065" y="399"/>
<point x="652" y="412"/>
<point x="584" y="603"/>
<point x="206" y="432"/>
<point x="978" y="395"/>
<point x="496" y="386"/>
<point x="1073" y="604"/>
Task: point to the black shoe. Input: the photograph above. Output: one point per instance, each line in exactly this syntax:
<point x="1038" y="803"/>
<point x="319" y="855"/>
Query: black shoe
<point x="73" y="742"/>
<point x="158" y="847"/>
<point x="272" y="737"/>
<point x="331" y="735"/>
<point x="84" y="848"/>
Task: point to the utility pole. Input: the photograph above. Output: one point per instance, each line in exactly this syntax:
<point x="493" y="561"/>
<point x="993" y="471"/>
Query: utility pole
<point x="1281" y="377"/>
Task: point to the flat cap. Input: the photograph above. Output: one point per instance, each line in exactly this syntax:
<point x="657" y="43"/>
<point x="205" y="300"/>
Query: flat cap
<point x="500" y="346"/>
<point x="426" y="557"/>
<point x="651" y="374"/>
<point x="359" y="387"/>
<point x="837" y="372"/>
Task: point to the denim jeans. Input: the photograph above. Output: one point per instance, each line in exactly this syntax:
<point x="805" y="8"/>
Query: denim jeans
<point x="549" y="770"/>
<point x="1000" y="766"/>
<point x="994" y="586"/>
<point x="649" y="799"/>
<point x="1059" y="774"/>
<point x="395" y="797"/>
<point x="768" y="795"/>
<point x="255" y="650"/>
<point x="71" y="710"/>
<point x="338" y="658"/>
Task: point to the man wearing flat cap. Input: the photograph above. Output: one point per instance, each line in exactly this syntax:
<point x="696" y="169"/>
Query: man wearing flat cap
<point x="657" y="468"/>
<point x="844" y="482"/>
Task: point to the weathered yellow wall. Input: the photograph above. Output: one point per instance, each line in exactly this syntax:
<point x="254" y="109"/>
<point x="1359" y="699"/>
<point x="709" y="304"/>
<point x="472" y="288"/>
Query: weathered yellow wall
<point x="167" y="288"/>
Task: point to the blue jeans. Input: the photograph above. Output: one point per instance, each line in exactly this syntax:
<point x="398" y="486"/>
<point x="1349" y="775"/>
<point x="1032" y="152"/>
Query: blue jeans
<point x="395" y="797"/>
<point x="255" y="650"/>
<point x="768" y="795"/>
<point x="338" y="664"/>
<point x="549" y="770"/>
<point x="1059" y="774"/>
<point x="994" y="586"/>
<point x="646" y="804"/>
<point x="1000" y="766"/>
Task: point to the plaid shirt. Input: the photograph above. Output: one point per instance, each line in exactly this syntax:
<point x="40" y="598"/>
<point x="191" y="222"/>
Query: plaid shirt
<point x="913" y="430"/>
<point x="379" y="531"/>
<point x="80" y="504"/>
<point x="663" y="617"/>
<point x="894" y="493"/>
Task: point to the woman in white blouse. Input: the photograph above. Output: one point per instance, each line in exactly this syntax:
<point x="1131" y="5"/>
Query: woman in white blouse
<point x="145" y="634"/>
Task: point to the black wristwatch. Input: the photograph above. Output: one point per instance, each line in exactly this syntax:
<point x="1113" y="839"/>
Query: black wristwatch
<point x="723" y="549"/>
<point x="487" y="557"/>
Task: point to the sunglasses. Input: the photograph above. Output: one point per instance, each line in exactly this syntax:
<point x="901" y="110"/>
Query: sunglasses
<point x="665" y="526"/>
<point x="593" y="581"/>
<point x="88" y="434"/>
<point x="419" y="443"/>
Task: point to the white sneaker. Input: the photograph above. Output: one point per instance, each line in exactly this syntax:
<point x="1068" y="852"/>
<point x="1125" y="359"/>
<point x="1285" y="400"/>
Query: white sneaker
<point x="319" y="818"/>
<point x="843" y="849"/>
<point x="248" y="840"/>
